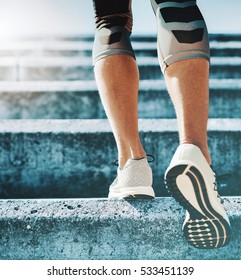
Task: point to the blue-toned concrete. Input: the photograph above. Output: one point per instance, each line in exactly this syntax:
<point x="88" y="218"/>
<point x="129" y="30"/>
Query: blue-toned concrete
<point x="102" y="229"/>
<point x="73" y="158"/>
<point x="80" y="100"/>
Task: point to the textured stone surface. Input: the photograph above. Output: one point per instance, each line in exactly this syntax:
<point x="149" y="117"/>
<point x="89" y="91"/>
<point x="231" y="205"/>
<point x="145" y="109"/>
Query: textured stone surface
<point x="73" y="158"/>
<point x="101" y="229"/>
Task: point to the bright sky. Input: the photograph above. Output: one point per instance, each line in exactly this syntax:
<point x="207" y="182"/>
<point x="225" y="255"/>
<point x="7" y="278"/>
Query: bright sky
<point x="29" y="17"/>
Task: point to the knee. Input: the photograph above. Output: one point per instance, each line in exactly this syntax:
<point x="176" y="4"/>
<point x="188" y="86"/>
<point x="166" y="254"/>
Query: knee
<point x="113" y="28"/>
<point x="182" y="32"/>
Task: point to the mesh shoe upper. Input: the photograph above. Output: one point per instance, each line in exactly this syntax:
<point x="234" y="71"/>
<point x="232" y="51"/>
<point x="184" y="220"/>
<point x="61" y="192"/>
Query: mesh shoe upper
<point x="134" y="179"/>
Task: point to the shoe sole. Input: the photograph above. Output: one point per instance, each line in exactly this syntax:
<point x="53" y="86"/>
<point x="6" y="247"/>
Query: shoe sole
<point x="139" y="196"/>
<point x="133" y="193"/>
<point x="208" y="231"/>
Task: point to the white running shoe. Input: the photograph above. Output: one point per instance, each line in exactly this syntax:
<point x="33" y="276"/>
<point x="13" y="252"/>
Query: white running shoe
<point x="191" y="181"/>
<point x="133" y="181"/>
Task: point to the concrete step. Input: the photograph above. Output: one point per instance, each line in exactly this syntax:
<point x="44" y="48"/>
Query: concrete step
<point x="222" y="37"/>
<point x="72" y="158"/>
<point x="25" y="48"/>
<point x="229" y="48"/>
<point x="50" y="100"/>
<point x="80" y="100"/>
<point x="99" y="229"/>
<point x="77" y="68"/>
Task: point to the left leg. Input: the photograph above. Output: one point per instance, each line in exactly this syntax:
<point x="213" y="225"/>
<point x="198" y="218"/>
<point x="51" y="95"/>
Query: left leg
<point x="187" y="82"/>
<point x="117" y="77"/>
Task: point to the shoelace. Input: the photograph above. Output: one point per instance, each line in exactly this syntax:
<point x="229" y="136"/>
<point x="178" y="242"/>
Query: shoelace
<point x="216" y="190"/>
<point x="152" y="159"/>
<point x="216" y="185"/>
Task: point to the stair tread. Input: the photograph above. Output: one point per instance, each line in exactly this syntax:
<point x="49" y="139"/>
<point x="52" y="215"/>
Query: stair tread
<point x="51" y="61"/>
<point x="102" y="125"/>
<point x="90" y="85"/>
<point x="103" y="229"/>
<point x="102" y="207"/>
<point x="77" y="45"/>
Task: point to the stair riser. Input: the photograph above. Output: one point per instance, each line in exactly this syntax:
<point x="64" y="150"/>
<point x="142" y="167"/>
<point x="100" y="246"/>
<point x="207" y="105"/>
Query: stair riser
<point x="86" y="104"/>
<point x="86" y="73"/>
<point x="79" y="164"/>
<point x="71" y="73"/>
<point x="151" y="52"/>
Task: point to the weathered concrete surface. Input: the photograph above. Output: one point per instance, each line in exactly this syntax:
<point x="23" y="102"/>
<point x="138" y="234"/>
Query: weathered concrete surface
<point x="73" y="158"/>
<point x="101" y="229"/>
<point x="80" y="100"/>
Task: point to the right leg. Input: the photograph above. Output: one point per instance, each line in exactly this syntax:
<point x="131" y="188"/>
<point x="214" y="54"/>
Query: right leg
<point x="183" y="51"/>
<point x="117" y="77"/>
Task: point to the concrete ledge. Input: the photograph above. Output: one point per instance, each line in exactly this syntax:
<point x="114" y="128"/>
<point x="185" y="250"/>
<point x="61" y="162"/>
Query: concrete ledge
<point x="80" y="100"/>
<point x="52" y="47"/>
<point x="101" y="229"/>
<point x="71" y="69"/>
<point x="81" y="68"/>
<point x="221" y="36"/>
<point x="72" y="158"/>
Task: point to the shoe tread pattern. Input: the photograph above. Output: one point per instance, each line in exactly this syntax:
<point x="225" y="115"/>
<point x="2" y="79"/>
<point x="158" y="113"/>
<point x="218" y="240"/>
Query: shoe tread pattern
<point x="206" y="231"/>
